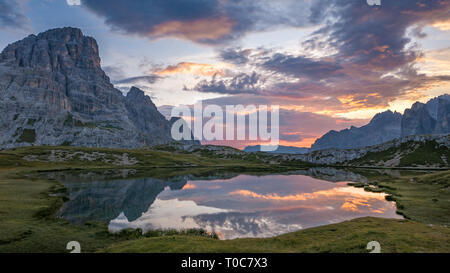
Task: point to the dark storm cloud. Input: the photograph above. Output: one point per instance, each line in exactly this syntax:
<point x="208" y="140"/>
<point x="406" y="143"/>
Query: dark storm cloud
<point x="366" y="43"/>
<point x="12" y="14"/>
<point x="202" y="21"/>
<point x="241" y="83"/>
<point x="364" y="36"/>
<point x="376" y="36"/>
<point x="372" y="61"/>
<point x="299" y="66"/>
<point x="150" y="79"/>
<point x="235" y="55"/>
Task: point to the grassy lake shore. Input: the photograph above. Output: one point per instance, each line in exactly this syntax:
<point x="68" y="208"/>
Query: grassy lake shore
<point x="28" y="204"/>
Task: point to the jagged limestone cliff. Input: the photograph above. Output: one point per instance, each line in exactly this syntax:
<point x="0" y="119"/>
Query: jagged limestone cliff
<point x="53" y="91"/>
<point x="432" y="117"/>
<point x="383" y="127"/>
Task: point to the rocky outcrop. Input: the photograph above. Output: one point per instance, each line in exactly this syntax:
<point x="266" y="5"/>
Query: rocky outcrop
<point x="383" y="127"/>
<point x="339" y="156"/>
<point x="443" y="117"/>
<point x="417" y="121"/>
<point x="430" y="118"/>
<point x="280" y="150"/>
<point x="333" y="175"/>
<point x="141" y="110"/>
<point x="53" y="91"/>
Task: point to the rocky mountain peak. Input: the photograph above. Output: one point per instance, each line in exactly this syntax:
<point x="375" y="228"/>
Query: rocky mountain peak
<point x="417" y="120"/>
<point x="53" y="91"/>
<point x="430" y="118"/>
<point x="417" y="106"/>
<point x="383" y="127"/>
<point x="61" y="49"/>
<point x="137" y="96"/>
<point x="433" y="104"/>
<point x="386" y="116"/>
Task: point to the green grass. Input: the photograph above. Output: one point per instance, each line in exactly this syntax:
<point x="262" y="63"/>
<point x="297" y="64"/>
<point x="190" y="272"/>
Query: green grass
<point x="375" y="157"/>
<point x="422" y="198"/>
<point x="147" y="158"/>
<point x="412" y="154"/>
<point x="429" y="153"/>
<point x="425" y="198"/>
<point x="349" y="236"/>
<point x="28" y="205"/>
<point x="27" y="223"/>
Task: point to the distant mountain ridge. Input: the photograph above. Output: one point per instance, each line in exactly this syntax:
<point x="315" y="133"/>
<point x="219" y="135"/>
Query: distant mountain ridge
<point x="430" y="118"/>
<point x="53" y="91"/>
<point x="280" y="150"/>
<point x="429" y="151"/>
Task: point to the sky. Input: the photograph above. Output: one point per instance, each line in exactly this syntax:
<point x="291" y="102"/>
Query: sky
<point x="329" y="64"/>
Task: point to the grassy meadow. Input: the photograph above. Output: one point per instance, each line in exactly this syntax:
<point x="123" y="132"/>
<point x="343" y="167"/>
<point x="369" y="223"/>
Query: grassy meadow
<point x="29" y="202"/>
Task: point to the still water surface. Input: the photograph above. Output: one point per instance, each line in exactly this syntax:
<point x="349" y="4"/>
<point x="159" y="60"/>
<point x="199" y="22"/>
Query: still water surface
<point x="233" y="206"/>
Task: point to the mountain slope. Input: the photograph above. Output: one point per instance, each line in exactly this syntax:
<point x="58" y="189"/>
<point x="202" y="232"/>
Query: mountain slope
<point x="383" y="127"/>
<point x="53" y="91"/>
<point x="430" y="118"/>
<point x="280" y="150"/>
<point x="427" y="153"/>
<point x="430" y="151"/>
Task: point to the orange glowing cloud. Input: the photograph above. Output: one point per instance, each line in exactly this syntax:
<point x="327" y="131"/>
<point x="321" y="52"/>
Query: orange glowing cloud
<point x="189" y="187"/>
<point x="356" y="203"/>
<point x="355" y="198"/>
<point x="435" y="63"/>
<point x="353" y="204"/>
<point x="193" y="68"/>
<point x="305" y="142"/>
<point x="354" y="192"/>
<point x="272" y="196"/>
<point x="442" y="25"/>
<point x="357" y="102"/>
<point x="197" y="30"/>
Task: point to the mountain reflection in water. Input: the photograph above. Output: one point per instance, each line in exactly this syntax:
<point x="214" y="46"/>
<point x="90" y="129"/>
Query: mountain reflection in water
<point x="232" y="205"/>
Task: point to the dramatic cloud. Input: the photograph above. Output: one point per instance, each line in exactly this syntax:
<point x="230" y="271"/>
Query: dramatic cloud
<point x="300" y="128"/>
<point x="201" y="21"/>
<point x="241" y="83"/>
<point x="118" y="76"/>
<point x="442" y="25"/>
<point x="297" y="127"/>
<point x="366" y="58"/>
<point x="198" y="30"/>
<point x="193" y="68"/>
<point x="149" y="79"/>
<point x="12" y="14"/>
<point x="235" y="55"/>
<point x="299" y="66"/>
